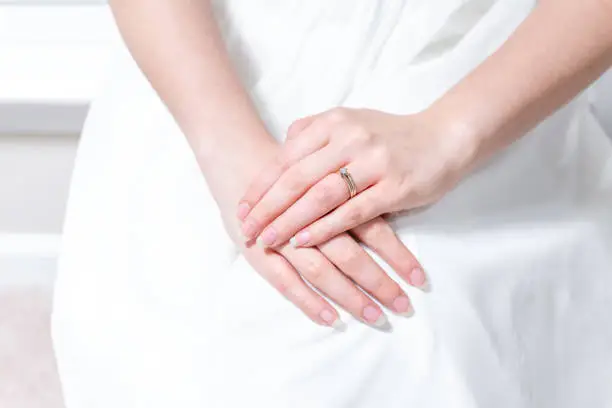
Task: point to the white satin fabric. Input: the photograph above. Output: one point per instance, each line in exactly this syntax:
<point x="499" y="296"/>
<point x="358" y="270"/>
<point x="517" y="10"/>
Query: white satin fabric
<point x="156" y="308"/>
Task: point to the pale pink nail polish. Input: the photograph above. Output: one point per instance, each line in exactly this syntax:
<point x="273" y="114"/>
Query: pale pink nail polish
<point x="243" y="211"/>
<point x="332" y="320"/>
<point x="374" y="316"/>
<point x="417" y="278"/>
<point x="268" y="236"/>
<point x="401" y="304"/>
<point x="249" y="228"/>
<point x="302" y="238"/>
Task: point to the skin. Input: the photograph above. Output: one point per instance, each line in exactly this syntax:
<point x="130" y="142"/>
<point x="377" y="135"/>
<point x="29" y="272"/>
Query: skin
<point x="400" y="162"/>
<point x="178" y="46"/>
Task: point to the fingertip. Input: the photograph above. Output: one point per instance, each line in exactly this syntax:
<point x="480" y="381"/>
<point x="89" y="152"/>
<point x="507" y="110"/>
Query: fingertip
<point x="418" y="279"/>
<point x="402" y="306"/>
<point x="249" y="229"/>
<point x="243" y="210"/>
<point x="332" y="320"/>
<point x="301" y="239"/>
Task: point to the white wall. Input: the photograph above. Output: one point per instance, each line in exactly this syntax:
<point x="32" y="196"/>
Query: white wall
<point x="34" y="179"/>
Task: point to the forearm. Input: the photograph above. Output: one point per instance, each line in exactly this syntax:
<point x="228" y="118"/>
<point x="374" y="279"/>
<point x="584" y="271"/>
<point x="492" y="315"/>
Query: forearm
<point x="178" y="46"/>
<point x="559" y="50"/>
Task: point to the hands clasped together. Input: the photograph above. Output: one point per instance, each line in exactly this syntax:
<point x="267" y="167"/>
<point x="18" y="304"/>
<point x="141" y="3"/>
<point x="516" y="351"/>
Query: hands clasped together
<point x="303" y="201"/>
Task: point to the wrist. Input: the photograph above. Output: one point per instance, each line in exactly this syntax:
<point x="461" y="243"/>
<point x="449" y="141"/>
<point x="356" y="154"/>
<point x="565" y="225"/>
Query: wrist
<point x="459" y="142"/>
<point x="479" y="123"/>
<point x="238" y="157"/>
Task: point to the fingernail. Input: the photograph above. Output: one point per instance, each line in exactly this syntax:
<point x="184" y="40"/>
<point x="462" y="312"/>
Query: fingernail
<point x="243" y="211"/>
<point x="332" y="320"/>
<point x="249" y="228"/>
<point x="267" y="237"/>
<point x="374" y="316"/>
<point x="300" y="239"/>
<point x="402" y="306"/>
<point x="417" y="278"/>
<point x="260" y="243"/>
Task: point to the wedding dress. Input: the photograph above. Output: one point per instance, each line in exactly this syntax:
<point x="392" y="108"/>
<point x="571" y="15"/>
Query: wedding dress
<point x="155" y="307"/>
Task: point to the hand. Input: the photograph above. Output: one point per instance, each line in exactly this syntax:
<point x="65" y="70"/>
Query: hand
<point x="338" y="268"/>
<point x="397" y="163"/>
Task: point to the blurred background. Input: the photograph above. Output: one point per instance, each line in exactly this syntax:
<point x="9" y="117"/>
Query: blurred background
<point x="53" y="54"/>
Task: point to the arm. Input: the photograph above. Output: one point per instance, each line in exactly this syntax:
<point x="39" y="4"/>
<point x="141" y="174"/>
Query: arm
<point x="561" y="48"/>
<point x="179" y="48"/>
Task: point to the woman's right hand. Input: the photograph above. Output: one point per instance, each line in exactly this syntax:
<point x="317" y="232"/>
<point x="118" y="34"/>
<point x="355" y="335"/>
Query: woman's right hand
<point x="339" y="268"/>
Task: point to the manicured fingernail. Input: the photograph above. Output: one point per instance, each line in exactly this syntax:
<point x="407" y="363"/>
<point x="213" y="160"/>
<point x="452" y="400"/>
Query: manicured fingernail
<point x="374" y="316"/>
<point x="267" y="237"/>
<point x="417" y="278"/>
<point x="249" y="228"/>
<point x="332" y="320"/>
<point x="300" y="239"/>
<point x="243" y="211"/>
<point x="402" y="306"/>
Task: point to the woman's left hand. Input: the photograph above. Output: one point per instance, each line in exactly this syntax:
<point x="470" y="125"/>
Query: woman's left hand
<point x="397" y="162"/>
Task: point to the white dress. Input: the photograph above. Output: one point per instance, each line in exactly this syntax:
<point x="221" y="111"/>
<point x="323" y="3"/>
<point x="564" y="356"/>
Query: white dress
<point x="155" y="307"/>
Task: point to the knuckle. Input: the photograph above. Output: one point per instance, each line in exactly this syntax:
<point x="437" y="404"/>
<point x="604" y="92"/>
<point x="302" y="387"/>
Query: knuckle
<point x="336" y="115"/>
<point x="299" y="297"/>
<point x="380" y="157"/>
<point x="279" y="165"/>
<point x="354" y="215"/>
<point x="361" y="134"/>
<point x="347" y="258"/>
<point x="313" y="270"/>
<point x="377" y="284"/>
<point x="324" y="193"/>
<point x="376" y="231"/>
<point x="293" y="179"/>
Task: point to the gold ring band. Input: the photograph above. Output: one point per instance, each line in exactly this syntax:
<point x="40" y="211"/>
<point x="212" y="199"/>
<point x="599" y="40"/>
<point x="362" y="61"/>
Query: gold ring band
<point x="350" y="183"/>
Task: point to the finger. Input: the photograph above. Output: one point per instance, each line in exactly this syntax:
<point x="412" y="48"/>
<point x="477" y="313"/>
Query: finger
<point x="291" y="185"/>
<point x="277" y="271"/>
<point x="352" y="260"/>
<point x="378" y="235"/>
<point x="320" y="199"/>
<point x="356" y="211"/>
<point x="325" y="277"/>
<point x="299" y="126"/>
<point x="315" y="137"/>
